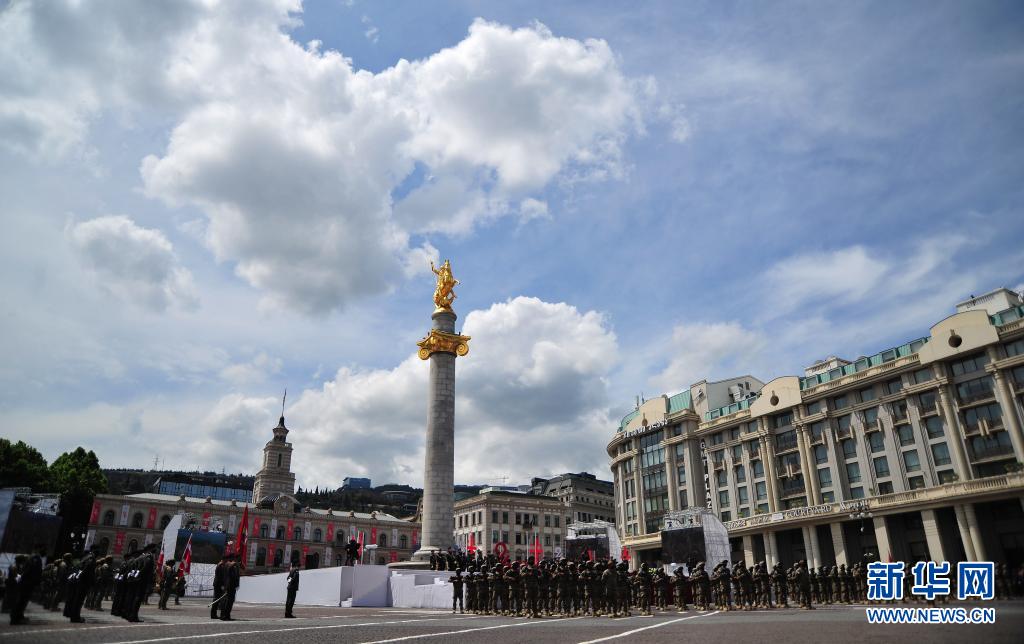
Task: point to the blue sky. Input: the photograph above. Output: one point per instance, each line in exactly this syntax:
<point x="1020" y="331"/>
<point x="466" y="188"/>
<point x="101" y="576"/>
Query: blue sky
<point x="203" y="208"/>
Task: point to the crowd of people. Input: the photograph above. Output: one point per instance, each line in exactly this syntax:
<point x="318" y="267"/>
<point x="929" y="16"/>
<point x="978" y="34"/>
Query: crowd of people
<point x="489" y="586"/>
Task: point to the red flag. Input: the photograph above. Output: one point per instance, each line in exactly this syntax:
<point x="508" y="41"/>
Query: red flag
<point x="373" y="535"/>
<point x="94" y="516"/>
<point x="538" y="554"/>
<point x="118" y="543"/>
<point x="186" y="557"/>
<point x="590" y="554"/>
<point x="151" y="521"/>
<point x="472" y="543"/>
<point x="362" y="535"/>
<point x="290" y="532"/>
<point x="243" y="529"/>
<point x="160" y="562"/>
<point x="305" y="551"/>
<point x="625" y="554"/>
<point x="330" y="533"/>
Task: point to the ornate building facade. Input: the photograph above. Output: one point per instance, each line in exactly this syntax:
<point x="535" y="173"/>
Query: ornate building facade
<point x="281" y="531"/>
<point x="913" y="453"/>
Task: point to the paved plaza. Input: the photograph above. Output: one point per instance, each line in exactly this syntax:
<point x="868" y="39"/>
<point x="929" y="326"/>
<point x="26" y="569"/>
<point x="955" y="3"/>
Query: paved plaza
<point x="260" y="623"/>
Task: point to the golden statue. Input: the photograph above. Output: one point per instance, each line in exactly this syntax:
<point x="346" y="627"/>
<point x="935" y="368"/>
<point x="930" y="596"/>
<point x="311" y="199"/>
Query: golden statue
<point x="444" y="293"/>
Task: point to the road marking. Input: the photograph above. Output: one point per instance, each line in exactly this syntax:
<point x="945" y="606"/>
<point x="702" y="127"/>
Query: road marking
<point x="178" y="638"/>
<point x="647" y="628"/>
<point x="467" y="630"/>
<point x="71" y="627"/>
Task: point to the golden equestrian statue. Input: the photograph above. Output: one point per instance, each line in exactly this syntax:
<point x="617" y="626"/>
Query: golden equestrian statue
<point x="444" y="293"/>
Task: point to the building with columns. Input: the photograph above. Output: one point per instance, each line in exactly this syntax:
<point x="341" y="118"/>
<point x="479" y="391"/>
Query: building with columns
<point x="512" y="518"/>
<point x="912" y="453"/>
<point x="281" y="530"/>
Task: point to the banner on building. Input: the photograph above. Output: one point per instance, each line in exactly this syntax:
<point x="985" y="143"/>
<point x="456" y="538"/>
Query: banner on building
<point x="252" y="552"/>
<point x="289" y="533"/>
<point x="256" y="527"/>
<point x="287" y="554"/>
<point x="124" y="514"/>
<point x="330" y="533"/>
<point x="94" y="516"/>
<point x="328" y="556"/>
<point x="394" y="556"/>
<point x="118" y="543"/>
<point x="307" y="532"/>
<point x="206" y="522"/>
<point x="373" y="535"/>
<point x="90" y="536"/>
<point x="151" y="520"/>
<point x="273" y="528"/>
<point x="305" y="551"/>
<point x="231" y="523"/>
<point x="394" y="537"/>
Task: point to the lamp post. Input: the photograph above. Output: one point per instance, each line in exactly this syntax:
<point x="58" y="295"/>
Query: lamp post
<point x="860" y="511"/>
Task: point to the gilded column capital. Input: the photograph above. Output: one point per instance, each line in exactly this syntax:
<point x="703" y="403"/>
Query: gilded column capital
<point x="441" y="342"/>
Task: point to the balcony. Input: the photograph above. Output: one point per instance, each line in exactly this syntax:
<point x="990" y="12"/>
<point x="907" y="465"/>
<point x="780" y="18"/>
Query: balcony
<point x="792" y="486"/>
<point x="991" y="424"/>
<point x="977" y="396"/>
<point x="785" y="443"/>
<point x="990" y="451"/>
<point x="871" y="425"/>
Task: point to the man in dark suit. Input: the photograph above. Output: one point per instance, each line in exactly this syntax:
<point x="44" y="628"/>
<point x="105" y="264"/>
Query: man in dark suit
<point x="219" y="577"/>
<point x="293" y="588"/>
<point x="28" y="579"/>
<point x="231" y="583"/>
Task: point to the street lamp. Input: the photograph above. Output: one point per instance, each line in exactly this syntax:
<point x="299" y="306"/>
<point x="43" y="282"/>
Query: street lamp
<point x="860" y="511"/>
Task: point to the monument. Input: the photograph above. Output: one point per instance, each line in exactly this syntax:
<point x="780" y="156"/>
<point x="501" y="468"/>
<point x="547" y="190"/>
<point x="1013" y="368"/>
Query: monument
<point x="440" y="347"/>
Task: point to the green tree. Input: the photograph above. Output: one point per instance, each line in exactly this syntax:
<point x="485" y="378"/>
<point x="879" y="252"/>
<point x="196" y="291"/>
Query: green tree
<point x="78" y="473"/>
<point x="21" y="465"/>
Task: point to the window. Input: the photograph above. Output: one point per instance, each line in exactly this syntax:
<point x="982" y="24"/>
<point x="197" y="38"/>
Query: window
<point x="840" y="402"/>
<point x="133" y="545"/>
<point x="741" y="474"/>
<point x="403" y="541"/>
<point x="934" y="427"/>
<point x="504" y="517"/>
<point x="558" y="520"/>
<point x="915" y="482"/>
<point x="279" y="460"/>
<point x="817" y="430"/>
<point x="814" y="407"/>
<point x="976" y="389"/>
<point x="849" y="448"/>
<point x="785" y="441"/>
<point x="547" y="520"/>
<point x="824" y="477"/>
<point x="853" y="472"/>
<point x="683" y="501"/>
<point x="972" y="364"/>
<point x="906" y="434"/>
<point x="885" y="487"/>
<point x="108" y="517"/>
<point x="940" y="451"/>
<point x="876" y="441"/>
<point x="722" y="478"/>
<point x="923" y="375"/>
<point x="912" y="460"/>
<point x="828" y="497"/>
<point x="547" y="540"/>
<point x="753" y="448"/>
<point x="297" y="534"/>
<point x="519" y="538"/>
<point x="504" y="536"/>
<point x="991" y="413"/>
<point x="280" y="532"/>
<point x="164" y="520"/>
<point x="867" y="394"/>
<point x="843" y="423"/>
<point x="494" y="516"/>
<point x="782" y="420"/>
<point x="926" y="402"/>
<point x="881" y="466"/>
<point x="758" y="468"/>
<point x="137" y="520"/>
<point x="856" y="493"/>
<point x="734" y="433"/>
<point x="760" y="490"/>
<point x="318" y="535"/>
<point x="1014" y="348"/>
<point x="723" y="499"/>
<point x="718" y="439"/>
<point x="737" y="452"/>
<point x="946" y="476"/>
<point x="339" y="536"/>
<point x="726" y="516"/>
<point x="820" y="454"/>
<point x="630" y="488"/>
<point x="519" y="519"/>
<point x="743" y="495"/>
<point x="681" y="474"/>
<point x="893" y="386"/>
<point x="899" y="411"/>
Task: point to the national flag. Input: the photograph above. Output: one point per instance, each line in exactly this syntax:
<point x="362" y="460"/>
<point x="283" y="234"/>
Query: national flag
<point x="362" y="536"/>
<point x="625" y="554"/>
<point x="160" y="562"/>
<point x="590" y="554"/>
<point x="240" y="538"/>
<point x="186" y="557"/>
<point x="472" y="543"/>
<point x="537" y="552"/>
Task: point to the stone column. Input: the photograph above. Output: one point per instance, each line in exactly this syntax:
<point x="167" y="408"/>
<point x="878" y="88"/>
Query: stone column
<point x="670" y="477"/>
<point x="814" y="549"/>
<point x="931" y="534"/>
<point x="839" y="543"/>
<point x="810" y="467"/>
<point x="965" y="533"/>
<point x="439" y="466"/>
<point x="748" y="550"/>
<point x="1010" y="420"/>
<point x="771" y="548"/>
<point x="975" y="531"/>
<point x="768" y="458"/>
<point x="954" y="435"/>
<point x="882" y="539"/>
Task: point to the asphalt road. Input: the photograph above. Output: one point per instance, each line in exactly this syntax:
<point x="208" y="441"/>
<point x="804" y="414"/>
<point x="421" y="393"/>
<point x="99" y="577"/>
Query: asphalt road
<point x="258" y="624"/>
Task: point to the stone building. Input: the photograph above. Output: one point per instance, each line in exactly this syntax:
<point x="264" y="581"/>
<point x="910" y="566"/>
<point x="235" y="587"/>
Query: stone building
<point x="912" y="453"/>
<point x="281" y="530"/>
<point x="587" y="497"/>
<point x="512" y="518"/>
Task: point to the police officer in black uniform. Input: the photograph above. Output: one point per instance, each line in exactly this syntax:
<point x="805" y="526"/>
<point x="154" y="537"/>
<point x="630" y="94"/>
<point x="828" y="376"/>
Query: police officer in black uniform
<point x="293" y="588"/>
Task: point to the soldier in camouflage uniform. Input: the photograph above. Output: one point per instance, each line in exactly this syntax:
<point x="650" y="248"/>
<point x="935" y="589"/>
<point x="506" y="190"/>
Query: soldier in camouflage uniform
<point x="610" y="584"/>
<point x="679" y="584"/>
<point x="499" y="592"/>
<point x="471" y="589"/>
<point x="483" y="593"/>
<point x="643" y="579"/>
<point x="596" y="590"/>
<point x="624" y="588"/>
<point x="778" y="579"/>
<point x="531" y="580"/>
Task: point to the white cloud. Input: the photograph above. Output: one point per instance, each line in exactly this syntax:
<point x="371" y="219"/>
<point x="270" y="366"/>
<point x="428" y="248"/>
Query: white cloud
<point x="252" y="371"/>
<point x="712" y="351"/>
<point x="136" y="264"/>
<point x="847" y="274"/>
<point x="531" y="208"/>
<point x="534" y="379"/>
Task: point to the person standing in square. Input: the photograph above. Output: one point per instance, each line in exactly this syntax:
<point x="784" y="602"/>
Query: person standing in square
<point x="293" y="588"/>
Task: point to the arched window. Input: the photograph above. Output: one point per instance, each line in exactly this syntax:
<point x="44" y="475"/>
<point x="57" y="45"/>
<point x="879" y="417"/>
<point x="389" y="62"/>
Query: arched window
<point x="297" y="534"/>
<point x="296" y="557"/>
<point x="280" y="532"/>
<point x="164" y="521"/>
<point x="264" y="531"/>
<point x="339" y="536"/>
<point x="403" y="541"/>
<point x="104" y="545"/>
<point x="382" y="540"/>
<point x="278" y="557"/>
<point x="108" y="517"/>
<point x="133" y="545"/>
<point x="318" y="535"/>
<point x="137" y="520"/>
<point x="261" y="556"/>
<point x="312" y="560"/>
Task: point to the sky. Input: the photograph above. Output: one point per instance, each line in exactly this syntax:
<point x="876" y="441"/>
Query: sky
<point x="205" y="203"/>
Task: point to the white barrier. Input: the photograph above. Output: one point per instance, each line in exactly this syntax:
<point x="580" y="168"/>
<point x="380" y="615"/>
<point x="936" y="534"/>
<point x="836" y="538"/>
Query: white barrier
<point x="421" y="589"/>
<point x="370" y="586"/>
<point x="320" y="587"/>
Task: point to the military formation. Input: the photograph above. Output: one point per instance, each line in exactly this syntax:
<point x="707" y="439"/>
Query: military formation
<point x="91" y="580"/>
<point x="608" y="589"/>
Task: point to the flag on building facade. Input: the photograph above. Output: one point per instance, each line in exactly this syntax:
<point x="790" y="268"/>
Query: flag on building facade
<point x="240" y="538"/>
